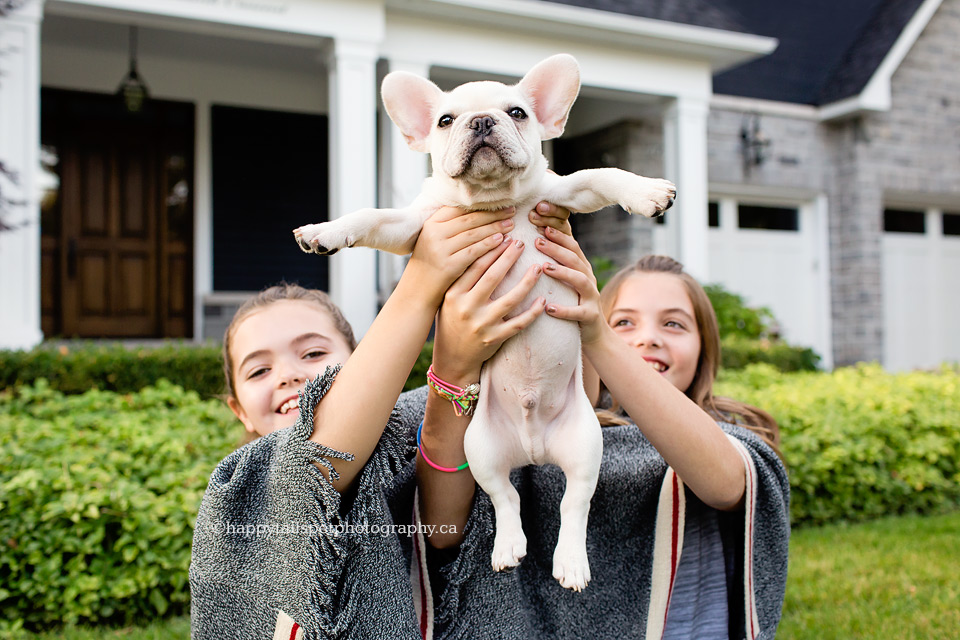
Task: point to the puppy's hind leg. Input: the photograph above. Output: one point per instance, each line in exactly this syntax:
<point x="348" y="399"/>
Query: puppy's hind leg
<point x="576" y="446"/>
<point x="488" y="448"/>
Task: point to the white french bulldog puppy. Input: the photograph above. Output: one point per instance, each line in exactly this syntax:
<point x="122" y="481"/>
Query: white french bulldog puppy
<point x="484" y="139"/>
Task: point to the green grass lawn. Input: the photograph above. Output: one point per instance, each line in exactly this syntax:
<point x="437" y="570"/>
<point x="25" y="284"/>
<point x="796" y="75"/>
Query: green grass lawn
<point x="894" y="577"/>
<point x="891" y="578"/>
<point x="169" y="629"/>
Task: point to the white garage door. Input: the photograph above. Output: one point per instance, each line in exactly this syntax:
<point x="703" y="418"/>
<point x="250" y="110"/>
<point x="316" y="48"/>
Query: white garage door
<point x="770" y="254"/>
<point x="921" y="288"/>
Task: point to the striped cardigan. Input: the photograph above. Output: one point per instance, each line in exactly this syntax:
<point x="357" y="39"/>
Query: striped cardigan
<point x="297" y="577"/>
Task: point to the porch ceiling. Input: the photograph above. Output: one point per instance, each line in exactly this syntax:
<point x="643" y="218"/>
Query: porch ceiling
<point x="112" y="37"/>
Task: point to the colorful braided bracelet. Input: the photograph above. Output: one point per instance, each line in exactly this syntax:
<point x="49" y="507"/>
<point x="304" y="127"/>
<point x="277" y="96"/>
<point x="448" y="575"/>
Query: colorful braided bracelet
<point x="463" y="399"/>
<point x="430" y="462"/>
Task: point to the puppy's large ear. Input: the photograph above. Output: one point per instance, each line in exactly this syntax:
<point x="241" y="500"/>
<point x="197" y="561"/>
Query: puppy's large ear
<point x="551" y="87"/>
<point x="411" y="103"/>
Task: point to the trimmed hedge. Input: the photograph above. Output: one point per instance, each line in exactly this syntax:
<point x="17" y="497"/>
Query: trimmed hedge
<point x="859" y="442"/>
<point x="737" y="352"/>
<point x="113" y="367"/>
<point x="98" y="497"/>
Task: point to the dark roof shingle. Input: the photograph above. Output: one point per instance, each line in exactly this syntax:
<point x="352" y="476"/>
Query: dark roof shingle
<point x="700" y="13"/>
<point x="828" y="50"/>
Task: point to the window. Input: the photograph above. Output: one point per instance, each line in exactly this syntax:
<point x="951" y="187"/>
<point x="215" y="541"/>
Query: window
<point x="770" y="218"/>
<point x="904" y="221"/>
<point x="269" y="176"/>
<point x="951" y="224"/>
<point x="713" y="214"/>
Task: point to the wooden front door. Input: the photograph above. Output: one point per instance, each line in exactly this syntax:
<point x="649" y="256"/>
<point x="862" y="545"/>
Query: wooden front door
<point x="117" y="243"/>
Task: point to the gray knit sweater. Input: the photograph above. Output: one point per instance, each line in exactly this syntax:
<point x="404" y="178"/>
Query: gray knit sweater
<point x="272" y="535"/>
<point x="358" y="584"/>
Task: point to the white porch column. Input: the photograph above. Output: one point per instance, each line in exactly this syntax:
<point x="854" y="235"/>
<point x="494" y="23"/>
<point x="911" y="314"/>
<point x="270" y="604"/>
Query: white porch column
<point x="685" y="163"/>
<point x="403" y="171"/>
<point x="353" y="172"/>
<point x="20" y="152"/>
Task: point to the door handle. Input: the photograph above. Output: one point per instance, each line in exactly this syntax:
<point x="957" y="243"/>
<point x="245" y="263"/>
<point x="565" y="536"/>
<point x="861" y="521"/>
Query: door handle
<point x="72" y="258"/>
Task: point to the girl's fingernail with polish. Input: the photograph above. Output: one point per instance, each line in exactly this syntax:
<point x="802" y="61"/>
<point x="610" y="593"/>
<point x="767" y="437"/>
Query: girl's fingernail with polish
<point x="549" y="266"/>
<point x="551" y="308"/>
<point x="519" y="244"/>
<point x="540" y="241"/>
<point x="536" y="270"/>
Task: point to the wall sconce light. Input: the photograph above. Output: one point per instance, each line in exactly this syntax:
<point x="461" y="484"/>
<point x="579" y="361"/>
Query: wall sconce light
<point x="132" y="88"/>
<point x="753" y="142"/>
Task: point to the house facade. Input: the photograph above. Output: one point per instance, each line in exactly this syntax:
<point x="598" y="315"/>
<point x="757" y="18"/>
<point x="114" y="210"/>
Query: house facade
<point x="834" y="207"/>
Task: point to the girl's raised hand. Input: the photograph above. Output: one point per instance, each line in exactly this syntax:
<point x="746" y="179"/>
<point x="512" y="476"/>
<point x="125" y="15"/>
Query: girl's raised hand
<point x="471" y="326"/>
<point x="451" y="241"/>
<point x="571" y="267"/>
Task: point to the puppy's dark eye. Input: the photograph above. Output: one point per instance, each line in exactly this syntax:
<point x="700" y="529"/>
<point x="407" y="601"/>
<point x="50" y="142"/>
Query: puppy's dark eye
<point x="445" y="121"/>
<point x="517" y="113"/>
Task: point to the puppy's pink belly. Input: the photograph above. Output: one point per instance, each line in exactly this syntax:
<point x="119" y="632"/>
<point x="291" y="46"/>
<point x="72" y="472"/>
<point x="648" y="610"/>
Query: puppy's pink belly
<point x="534" y="372"/>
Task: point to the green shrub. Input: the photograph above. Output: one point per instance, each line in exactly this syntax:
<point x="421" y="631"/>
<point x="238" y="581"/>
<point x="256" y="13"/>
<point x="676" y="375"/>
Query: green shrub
<point x="735" y="318"/>
<point x="113" y="367"/>
<point x="418" y="375"/>
<point x="859" y="442"/>
<point x="98" y="496"/>
<point x="736" y="352"/>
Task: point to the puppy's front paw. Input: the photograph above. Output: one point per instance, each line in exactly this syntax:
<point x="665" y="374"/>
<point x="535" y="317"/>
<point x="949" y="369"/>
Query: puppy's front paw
<point x="653" y="197"/>
<point x="571" y="568"/>
<point x="508" y="550"/>
<point x="324" y="239"/>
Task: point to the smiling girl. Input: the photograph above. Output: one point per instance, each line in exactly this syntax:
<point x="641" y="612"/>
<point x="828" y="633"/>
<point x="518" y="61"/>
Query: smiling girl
<point x="277" y="340"/>
<point x="297" y="533"/>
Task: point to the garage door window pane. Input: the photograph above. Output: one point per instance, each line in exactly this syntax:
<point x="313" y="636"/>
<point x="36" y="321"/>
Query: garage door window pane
<point x="713" y="214"/>
<point x="903" y="221"/>
<point x="772" y="218"/>
<point x="951" y="224"/>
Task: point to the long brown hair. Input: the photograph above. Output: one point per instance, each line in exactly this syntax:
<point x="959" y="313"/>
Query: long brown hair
<point x="282" y="291"/>
<point x="701" y="389"/>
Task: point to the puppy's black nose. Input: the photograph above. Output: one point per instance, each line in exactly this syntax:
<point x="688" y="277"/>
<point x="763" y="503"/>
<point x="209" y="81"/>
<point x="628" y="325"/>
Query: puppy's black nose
<point x="482" y="125"/>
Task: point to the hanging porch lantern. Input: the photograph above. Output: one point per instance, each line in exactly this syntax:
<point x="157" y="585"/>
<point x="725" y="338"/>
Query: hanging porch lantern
<point x="132" y="88"/>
